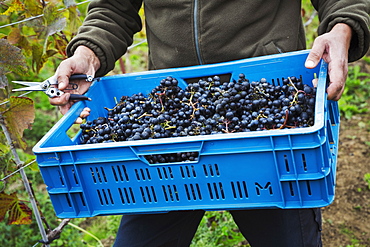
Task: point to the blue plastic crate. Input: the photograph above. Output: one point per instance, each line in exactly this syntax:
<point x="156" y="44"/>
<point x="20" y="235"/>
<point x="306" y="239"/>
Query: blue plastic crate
<point x="287" y="168"/>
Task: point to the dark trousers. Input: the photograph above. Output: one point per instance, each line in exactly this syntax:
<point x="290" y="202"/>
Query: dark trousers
<point x="261" y="228"/>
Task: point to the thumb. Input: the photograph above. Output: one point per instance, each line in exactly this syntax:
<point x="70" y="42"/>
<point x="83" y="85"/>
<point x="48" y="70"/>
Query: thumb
<point x="63" y="81"/>
<point x="313" y="58"/>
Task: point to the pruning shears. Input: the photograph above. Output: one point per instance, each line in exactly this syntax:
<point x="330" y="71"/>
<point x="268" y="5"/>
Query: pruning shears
<point x="49" y="86"/>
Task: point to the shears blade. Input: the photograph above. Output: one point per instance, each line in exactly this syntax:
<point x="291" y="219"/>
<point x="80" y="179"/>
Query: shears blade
<point x="31" y="87"/>
<point x="27" y="83"/>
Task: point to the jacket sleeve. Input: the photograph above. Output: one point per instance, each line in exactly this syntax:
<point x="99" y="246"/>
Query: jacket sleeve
<point x="108" y="30"/>
<point x="353" y="13"/>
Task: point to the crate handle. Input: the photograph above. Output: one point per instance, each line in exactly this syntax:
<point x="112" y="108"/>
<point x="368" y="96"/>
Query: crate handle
<point x="166" y="149"/>
<point x="170" y="147"/>
<point x="58" y="133"/>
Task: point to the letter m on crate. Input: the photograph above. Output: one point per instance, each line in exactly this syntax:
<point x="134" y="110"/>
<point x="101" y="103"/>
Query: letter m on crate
<point x="260" y="188"/>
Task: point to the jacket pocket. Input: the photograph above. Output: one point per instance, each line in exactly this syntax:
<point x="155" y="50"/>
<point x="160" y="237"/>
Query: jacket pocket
<point x="272" y="48"/>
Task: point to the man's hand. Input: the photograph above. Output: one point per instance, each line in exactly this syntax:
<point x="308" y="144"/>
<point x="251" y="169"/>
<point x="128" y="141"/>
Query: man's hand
<point x="333" y="48"/>
<point x="84" y="61"/>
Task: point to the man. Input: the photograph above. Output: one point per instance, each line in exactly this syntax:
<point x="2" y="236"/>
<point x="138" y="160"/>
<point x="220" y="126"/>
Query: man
<point x="192" y="32"/>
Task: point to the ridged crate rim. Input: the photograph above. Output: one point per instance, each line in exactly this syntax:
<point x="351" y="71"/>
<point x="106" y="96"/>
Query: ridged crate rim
<point x="73" y="113"/>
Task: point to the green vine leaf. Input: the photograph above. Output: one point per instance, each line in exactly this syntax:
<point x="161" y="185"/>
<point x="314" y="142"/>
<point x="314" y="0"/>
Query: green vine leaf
<point x="32" y="8"/>
<point x="73" y="19"/>
<point x="4" y="149"/>
<point x="18" y="212"/>
<point x="18" y="117"/>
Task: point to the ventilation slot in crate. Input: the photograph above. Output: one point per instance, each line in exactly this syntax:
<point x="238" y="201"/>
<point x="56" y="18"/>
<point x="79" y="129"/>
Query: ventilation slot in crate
<point x="105" y="197"/>
<point x="68" y="200"/>
<point x="69" y="176"/>
<point x="126" y="195"/>
<point x="120" y="173"/>
<point x="142" y="174"/>
<point x="286" y="160"/>
<point x="61" y="178"/>
<point x="188" y="172"/>
<point x="148" y="194"/>
<point x="304" y="162"/>
<point x="239" y="189"/>
<point x="193" y="192"/>
<point x="216" y="190"/>
<point x="165" y="172"/>
<point x="305" y="188"/>
<point x="211" y="170"/>
<point x="98" y="175"/>
<point x="170" y="193"/>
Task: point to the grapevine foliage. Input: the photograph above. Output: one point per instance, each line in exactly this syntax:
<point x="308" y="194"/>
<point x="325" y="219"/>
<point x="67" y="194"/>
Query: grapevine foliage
<point x="38" y="33"/>
<point x="19" y="115"/>
<point x="18" y="212"/>
<point x="11" y="60"/>
<point x="44" y="37"/>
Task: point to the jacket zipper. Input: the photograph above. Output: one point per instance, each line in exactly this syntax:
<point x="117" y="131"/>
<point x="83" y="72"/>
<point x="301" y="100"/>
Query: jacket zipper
<point x="196" y="31"/>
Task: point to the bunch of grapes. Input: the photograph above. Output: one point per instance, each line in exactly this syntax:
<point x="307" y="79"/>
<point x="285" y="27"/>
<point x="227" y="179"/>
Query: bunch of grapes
<point x="205" y="107"/>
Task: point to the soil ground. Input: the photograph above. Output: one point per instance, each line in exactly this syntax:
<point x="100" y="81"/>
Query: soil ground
<point x="346" y="222"/>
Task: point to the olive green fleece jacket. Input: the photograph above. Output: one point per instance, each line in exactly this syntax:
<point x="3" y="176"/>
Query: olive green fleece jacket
<point x="191" y="32"/>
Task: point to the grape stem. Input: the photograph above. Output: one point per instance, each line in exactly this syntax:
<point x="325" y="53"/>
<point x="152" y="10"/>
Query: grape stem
<point x="145" y="114"/>
<point x="286" y="119"/>
<point x="226" y="130"/>
<point x="160" y="99"/>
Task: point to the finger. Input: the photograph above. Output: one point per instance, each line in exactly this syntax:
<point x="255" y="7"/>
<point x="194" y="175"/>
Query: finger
<point x="64" y="72"/>
<point x="335" y="91"/>
<point x="315" y="82"/>
<point x="87" y="109"/>
<point x="84" y="113"/>
<point x="79" y="120"/>
<point x="61" y="100"/>
<point x="63" y="82"/>
<point x="315" y="55"/>
<point x="337" y="75"/>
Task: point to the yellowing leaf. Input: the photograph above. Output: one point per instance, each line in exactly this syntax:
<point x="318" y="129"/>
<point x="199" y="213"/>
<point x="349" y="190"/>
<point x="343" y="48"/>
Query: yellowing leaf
<point x="14" y="36"/>
<point x="6" y="202"/>
<point x="14" y="7"/>
<point x="4" y="149"/>
<point x="18" y="117"/>
<point x="74" y="21"/>
<point x="60" y="45"/>
<point x="32" y="8"/>
<point x="19" y="213"/>
<point x="51" y="13"/>
<point x="34" y="167"/>
<point x="37" y="60"/>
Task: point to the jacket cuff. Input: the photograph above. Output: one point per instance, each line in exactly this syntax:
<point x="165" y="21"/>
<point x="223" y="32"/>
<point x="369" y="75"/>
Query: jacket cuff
<point x="72" y="46"/>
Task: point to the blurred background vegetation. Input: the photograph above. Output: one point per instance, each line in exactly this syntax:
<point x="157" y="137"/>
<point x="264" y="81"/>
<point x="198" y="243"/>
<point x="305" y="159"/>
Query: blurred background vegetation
<point x="44" y="50"/>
